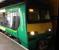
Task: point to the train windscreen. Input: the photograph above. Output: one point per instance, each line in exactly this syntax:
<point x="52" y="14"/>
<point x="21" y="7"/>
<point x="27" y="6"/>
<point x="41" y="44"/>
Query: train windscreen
<point x="36" y="14"/>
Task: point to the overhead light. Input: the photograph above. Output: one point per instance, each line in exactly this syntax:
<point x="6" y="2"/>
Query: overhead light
<point x="2" y="1"/>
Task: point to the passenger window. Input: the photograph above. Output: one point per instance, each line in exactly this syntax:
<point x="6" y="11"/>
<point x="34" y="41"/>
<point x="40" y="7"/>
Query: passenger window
<point x="10" y="19"/>
<point x="3" y="20"/>
<point x="13" y="20"/>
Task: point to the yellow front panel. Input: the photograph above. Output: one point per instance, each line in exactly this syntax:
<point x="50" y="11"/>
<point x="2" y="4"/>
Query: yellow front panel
<point x="39" y="27"/>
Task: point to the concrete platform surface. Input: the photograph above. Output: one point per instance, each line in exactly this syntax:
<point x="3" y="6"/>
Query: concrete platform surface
<point x="7" y="44"/>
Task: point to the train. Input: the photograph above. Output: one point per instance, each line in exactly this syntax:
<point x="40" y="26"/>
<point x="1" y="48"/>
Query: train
<point x="31" y="28"/>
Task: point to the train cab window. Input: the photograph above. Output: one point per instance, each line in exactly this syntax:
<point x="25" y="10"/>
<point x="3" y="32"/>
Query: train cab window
<point x="35" y="14"/>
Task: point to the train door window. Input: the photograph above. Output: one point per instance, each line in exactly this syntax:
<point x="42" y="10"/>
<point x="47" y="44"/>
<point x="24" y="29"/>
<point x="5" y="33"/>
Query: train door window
<point x="13" y="19"/>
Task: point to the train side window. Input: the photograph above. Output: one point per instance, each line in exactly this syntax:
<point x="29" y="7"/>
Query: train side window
<point x="13" y="20"/>
<point x="3" y="20"/>
<point x="10" y="18"/>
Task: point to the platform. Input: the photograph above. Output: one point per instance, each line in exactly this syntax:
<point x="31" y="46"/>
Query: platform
<point x="7" y="43"/>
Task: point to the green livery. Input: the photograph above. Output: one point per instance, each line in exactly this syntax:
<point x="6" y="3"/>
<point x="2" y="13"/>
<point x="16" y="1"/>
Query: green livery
<point x="21" y="31"/>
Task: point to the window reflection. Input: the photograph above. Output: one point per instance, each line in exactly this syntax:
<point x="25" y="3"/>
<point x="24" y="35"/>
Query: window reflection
<point x="35" y="14"/>
<point x="13" y="20"/>
<point x="10" y="19"/>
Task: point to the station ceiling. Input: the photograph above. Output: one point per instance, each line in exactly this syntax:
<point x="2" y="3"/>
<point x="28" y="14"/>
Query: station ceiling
<point x="52" y="3"/>
<point x="9" y="2"/>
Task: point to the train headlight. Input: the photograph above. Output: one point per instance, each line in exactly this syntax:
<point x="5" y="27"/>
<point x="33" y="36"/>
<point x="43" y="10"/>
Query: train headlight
<point x="32" y="33"/>
<point x="49" y="29"/>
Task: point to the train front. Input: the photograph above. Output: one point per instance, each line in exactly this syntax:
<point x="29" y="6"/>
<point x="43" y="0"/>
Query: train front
<point x="39" y="27"/>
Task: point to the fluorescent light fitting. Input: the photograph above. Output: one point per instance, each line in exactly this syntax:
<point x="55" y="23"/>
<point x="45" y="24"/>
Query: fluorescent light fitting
<point x="2" y="1"/>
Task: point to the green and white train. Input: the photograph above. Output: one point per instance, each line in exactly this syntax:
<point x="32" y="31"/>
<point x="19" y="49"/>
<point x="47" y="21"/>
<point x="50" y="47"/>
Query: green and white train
<point x="25" y="24"/>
